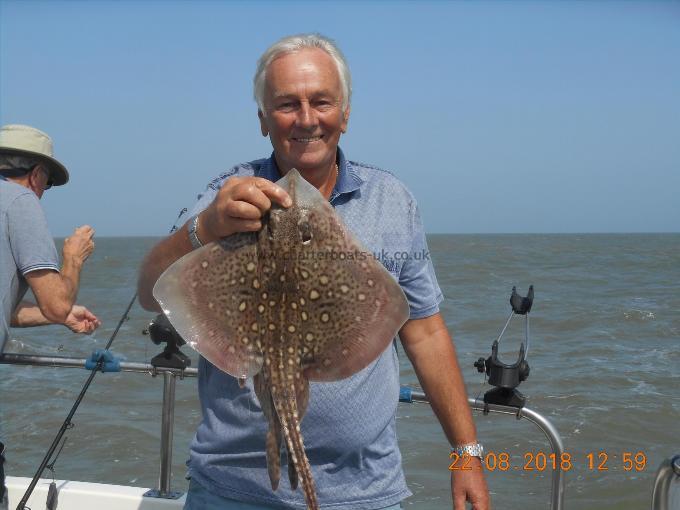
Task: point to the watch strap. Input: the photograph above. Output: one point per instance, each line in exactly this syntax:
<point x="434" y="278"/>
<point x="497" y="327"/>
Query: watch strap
<point x="193" y="237"/>
<point x="472" y="449"/>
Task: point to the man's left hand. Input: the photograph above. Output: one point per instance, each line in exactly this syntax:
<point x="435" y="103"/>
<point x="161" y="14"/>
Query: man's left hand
<point x="81" y="320"/>
<point x="470" y="485"/>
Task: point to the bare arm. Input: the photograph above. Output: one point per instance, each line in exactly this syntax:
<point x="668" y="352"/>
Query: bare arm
<point x="238" y="207"/>
<point x="79" y="319"/>
<point x="56" y="292"/>
<point x="429" y="347"/>
<point x="161" y="256"/>
<point x="28" y="314"/>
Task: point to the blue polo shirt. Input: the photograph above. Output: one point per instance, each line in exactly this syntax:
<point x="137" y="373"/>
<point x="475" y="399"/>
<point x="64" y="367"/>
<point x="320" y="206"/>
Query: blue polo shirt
<point x="349" y="429"/>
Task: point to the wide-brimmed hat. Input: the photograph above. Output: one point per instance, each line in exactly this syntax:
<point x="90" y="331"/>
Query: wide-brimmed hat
<point x="29" y="141"/>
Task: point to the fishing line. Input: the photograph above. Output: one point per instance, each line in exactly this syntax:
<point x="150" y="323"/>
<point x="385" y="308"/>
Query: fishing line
<point x="51" y="466"/>
<point x="147" y="356"/>
<point x="67" y="422"/>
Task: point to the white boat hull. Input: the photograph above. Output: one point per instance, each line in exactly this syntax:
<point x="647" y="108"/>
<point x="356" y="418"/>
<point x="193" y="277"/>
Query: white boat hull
<point x="88" y="496"/>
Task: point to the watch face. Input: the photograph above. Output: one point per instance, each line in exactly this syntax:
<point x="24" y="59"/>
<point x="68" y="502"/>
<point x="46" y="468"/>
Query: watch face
<point x="476" y="451"/>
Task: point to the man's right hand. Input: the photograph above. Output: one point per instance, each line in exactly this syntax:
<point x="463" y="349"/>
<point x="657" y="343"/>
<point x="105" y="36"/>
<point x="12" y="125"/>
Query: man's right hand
<point x="79" y="246"/>
<point x="239" y="206"/>
<point x="81" y="320"/>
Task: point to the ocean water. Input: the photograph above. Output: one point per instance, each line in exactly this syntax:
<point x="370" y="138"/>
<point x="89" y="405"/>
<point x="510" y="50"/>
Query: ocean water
<point x="605" y="370"/>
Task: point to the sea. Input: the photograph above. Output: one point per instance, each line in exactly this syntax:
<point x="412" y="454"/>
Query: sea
<point x="604" y="357"/>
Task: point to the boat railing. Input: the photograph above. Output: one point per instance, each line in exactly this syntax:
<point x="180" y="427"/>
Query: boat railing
<point x="551" y="433"/>
<point x="171" y="374"/>
<point x="667" y="476"/>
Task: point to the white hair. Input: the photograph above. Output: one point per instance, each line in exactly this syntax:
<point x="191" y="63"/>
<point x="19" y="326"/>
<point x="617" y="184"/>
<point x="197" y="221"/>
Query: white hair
<point x="291" y="44"/>
<point x="14" y="162"/>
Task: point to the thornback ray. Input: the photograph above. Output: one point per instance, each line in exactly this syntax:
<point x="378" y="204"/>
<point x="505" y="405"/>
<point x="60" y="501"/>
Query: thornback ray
<point x="301" y="300"/>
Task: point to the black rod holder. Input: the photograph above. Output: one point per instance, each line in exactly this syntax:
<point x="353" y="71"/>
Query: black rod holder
<point x="506" y="377"/>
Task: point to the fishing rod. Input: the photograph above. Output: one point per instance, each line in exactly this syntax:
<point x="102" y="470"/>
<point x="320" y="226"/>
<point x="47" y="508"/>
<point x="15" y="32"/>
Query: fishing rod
<point x="67" y="422"/>
<point x="101" y="357"/>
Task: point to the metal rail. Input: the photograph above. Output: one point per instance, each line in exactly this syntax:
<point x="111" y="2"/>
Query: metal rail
<point x="66" y="362"/>
<point x="557" y="487"/>
<point x="168" y="414"/>
<point x="169" y="379"/>
<point x="667" y="476"/>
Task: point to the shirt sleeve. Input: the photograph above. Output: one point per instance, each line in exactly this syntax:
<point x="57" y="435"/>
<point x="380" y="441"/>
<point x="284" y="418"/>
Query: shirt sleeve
<point x="202" y="202"/>
<point x="30" y="239"/>
<point x="206" y="198"/>
<point x="417" y="277"/>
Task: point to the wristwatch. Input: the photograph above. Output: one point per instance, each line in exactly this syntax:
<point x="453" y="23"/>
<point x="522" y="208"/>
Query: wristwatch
<point x="192" y="228"/>
<point x="472" y="449"/>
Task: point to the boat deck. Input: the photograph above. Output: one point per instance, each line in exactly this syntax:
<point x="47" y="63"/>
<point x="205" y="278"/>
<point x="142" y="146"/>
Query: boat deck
<point x="86" y="496"/>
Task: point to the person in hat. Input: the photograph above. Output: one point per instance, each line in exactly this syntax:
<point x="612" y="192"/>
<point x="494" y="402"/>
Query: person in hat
<point x="28" y="255"/>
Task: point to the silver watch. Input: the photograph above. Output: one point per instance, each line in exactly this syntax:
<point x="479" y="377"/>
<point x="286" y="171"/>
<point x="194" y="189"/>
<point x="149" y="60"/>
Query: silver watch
<point x="472" y="449"/>
<point x="192" y="228"/>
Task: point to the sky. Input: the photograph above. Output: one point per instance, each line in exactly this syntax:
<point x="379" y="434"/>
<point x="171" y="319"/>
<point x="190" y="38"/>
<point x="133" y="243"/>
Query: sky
<point x="500" y="117"/>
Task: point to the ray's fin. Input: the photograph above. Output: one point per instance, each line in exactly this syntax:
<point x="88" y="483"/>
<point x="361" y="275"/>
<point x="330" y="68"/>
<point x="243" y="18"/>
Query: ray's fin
<point x="209" y="297"/>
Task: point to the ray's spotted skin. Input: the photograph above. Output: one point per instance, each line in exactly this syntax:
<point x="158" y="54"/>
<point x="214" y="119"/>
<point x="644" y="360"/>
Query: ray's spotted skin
<point x="298" y="301"/>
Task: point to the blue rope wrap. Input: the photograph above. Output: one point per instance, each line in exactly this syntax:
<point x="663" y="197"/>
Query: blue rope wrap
<point x="405" y="394"/>
<point x="110" y="362"/>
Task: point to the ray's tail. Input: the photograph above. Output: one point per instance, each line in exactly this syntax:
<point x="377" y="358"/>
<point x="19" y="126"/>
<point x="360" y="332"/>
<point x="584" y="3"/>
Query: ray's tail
<point x="287" y="410"/>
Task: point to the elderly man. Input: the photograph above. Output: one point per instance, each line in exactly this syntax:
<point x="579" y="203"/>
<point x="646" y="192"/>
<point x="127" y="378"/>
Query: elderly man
<point x="29" y="257"/>
<point x="302" y="88"/>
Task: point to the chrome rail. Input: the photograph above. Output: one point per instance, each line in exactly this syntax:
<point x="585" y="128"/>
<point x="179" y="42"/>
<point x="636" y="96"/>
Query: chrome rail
<point x="167" y="426"/>
<point x="168" y="413"/>
<point x="557" y="486"/>
<point x="667" y="475"/>
<point x="169" y="379"/>
<point x="9" y="358"/>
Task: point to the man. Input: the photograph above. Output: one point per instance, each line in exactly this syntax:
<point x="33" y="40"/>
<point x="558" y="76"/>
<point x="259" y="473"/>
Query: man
<point x="28" y="257"/>
<point x="302" y="87"/>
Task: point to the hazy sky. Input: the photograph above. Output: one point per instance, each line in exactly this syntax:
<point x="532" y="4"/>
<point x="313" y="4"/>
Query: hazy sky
<point x="499" y="116"/>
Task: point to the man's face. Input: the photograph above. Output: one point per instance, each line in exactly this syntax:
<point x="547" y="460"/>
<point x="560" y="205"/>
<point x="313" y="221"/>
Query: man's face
<point x="304" y="116"/>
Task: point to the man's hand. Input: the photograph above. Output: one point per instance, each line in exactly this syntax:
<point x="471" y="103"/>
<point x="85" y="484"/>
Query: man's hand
<point x="239" y="206"/>
<point x="81" y="320"/>
<point x="79" y="246"/>
<point x="470" y="485"/>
